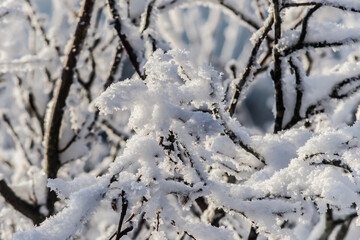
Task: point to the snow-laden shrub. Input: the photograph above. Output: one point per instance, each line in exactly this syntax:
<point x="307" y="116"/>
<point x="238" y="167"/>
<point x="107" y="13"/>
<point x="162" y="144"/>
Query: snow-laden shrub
<point x="109" y="131"/>
<point x="184" y="170"/>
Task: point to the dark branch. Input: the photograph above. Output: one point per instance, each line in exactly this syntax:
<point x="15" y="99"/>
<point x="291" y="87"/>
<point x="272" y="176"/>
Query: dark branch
<point x="52" y="159"/>
<point x="334" y="162"/>
<point x="36" y="112"/>
<point x="328" y="4"/>
<point x="30" y="105"/>
<point x="330" y="225"/>
<point x="345" y="227"/>
<point x="321" y="44"/>
<point x="310" y="63"/>
<point x="124" y="206"/>
<point x="16" y="137"/>
<point x="299" y="93"/>
<point x="72" y="140"/>
<point x="241" y="15"/>
<point x="115" y="131"/>
<point x="250" y="22"/>
<point x="141" y="223"/>
<point x="34" y="18"/>
<point x="346" y="82"/>
<point x="149" y="10"/>
<point x="236" y="140"/>
<point x="124" y="41"/>
<point x="247" y="148"/>
<point x="305" y="23"/>
<point x="20" y="205"/>
<point x="114" y="67"/>
<point x="247" y="75"/>
<point x="110" y="79"/>
<point x="253" y="234"/>
<point x="277" y="71"/>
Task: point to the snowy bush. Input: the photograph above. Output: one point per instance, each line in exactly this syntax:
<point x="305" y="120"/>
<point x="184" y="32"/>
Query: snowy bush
<point x="145" y="119"/>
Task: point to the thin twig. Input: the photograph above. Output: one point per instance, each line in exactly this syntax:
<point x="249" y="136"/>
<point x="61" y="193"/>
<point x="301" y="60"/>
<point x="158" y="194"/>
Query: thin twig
<point x="320" y="44"/>
<point x="70" y="142"/>
<point x="123" y="38"/>
<point x="305" y="23"/>
<point x="124" y="206"/>
<point x="247" y="75"/>
<point x="36" y="112"/>
<point x="241" y="15"/>
<point x="40" y="27"/>
<point x="118" y="57"/>
<point x="299" y="93"/>
<point x="148" y="12"/>
<point x="327" y="4"/>
<point x="310" y="63"/>
<point x="335" y="93"/>
<point x="114" y="66"/>
<point x="16" y="137"/>
<point x="30" y="105"/>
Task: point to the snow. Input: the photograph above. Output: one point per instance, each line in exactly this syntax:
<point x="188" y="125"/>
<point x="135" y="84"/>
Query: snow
<point x="65" y="224"/>
<point x="165" y="146"/>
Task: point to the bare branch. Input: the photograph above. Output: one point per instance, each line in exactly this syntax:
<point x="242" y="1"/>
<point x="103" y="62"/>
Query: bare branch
<point x="346" y="82"/>
<point x="277" y="71"/>
<point x="241" y="15"/>
<point x="114" y="67"/>
<point x="149" y="10"/>
<point x="305" y="23"/>
<point x="110" y="79"/>
<point x="124" y="206"/>
<point x="16" y="137"/>
<point x="52" y="159"/>
<point x="235" y="139"/>
<point x="333" y="162"/>
<point x="299" y="93"/>
<point x="320" y="44"/>
<point x="20" y="205"/>
<point x="253" y="234"/>
<point x="37" y="25"/>
<point x="246" y="19"/>
<point x="246" y="147"/>
<point x="30" y="105"/>
<point x="328" y="4"/>
<point x="124" y="41"/>
<point x="36" y="112"/>
<point x="310" y="63"/>
<point x="247" y="75"/>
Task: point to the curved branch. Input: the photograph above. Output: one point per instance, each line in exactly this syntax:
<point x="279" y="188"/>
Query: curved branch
<point x="336" y="89"/>
<point x="305" y="23"/>
<point x="299" y="93"/>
